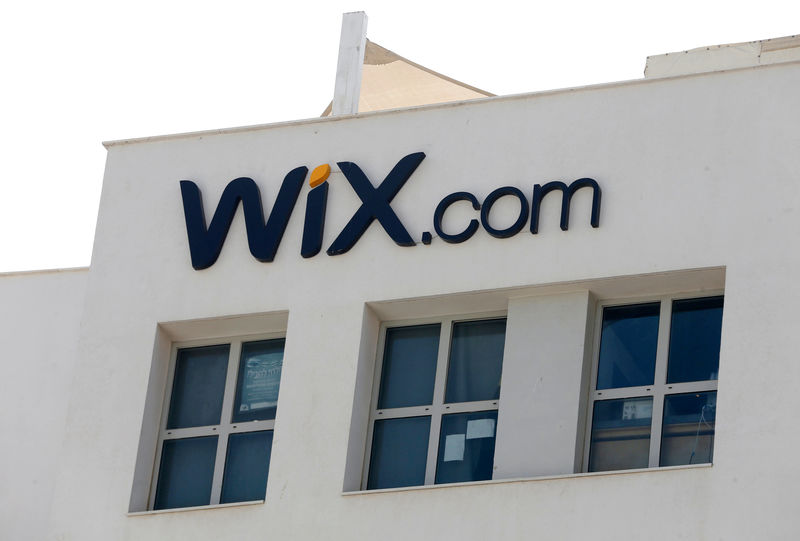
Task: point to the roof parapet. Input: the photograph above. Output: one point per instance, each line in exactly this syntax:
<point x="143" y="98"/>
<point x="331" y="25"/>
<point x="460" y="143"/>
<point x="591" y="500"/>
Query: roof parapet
<point x="724" y="57"/>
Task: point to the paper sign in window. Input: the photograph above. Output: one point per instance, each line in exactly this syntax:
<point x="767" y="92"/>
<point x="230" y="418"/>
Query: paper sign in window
<point x="637" y="409"/>
<point x="480" y="428"/>
<point x="454" y="447"/>
<point x="262" y="379"/>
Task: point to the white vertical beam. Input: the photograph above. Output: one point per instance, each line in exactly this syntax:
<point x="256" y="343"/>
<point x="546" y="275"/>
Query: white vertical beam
<point x="352" y="44"/>
<point x="544" y="365"/>
<point x="359" y="443"/>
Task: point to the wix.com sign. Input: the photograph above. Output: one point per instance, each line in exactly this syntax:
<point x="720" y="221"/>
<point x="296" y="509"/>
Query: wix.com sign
<point x="264" y="237"/>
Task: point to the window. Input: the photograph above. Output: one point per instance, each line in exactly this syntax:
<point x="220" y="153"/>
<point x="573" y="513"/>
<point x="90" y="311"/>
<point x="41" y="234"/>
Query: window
<point x="216" y="433"/>
<point x="435" y="403"/>
<point x="654" y="384"/>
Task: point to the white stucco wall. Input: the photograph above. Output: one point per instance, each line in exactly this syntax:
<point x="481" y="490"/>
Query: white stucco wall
<point x="697" y="172"/>
<point x="40" y="315"/>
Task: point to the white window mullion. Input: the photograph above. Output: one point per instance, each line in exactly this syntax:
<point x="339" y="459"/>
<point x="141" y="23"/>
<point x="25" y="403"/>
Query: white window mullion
<point x="230" y="382"/>
<point x="192" y="432"/>
<point x="224" y="429"/>
<point x="433" y="445"/>
<point x="659" y="387"/>
<point x="219" y="462"/>
<point x="441" y="362"/>
<point x="438" y="400"/>
<point x="398" y="413"/>
<point x="252" y="426"/>
<point x="655" y="430"/>
<point x="623" y="392"/>
<point x="662" y="351"/>
<point x="470" y="407"/>
<point x="691" y="387"/>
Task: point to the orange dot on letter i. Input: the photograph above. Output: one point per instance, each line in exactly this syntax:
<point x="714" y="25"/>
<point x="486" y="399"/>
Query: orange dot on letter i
<point x="316" y="202"/>
<point x="319" y="175"/>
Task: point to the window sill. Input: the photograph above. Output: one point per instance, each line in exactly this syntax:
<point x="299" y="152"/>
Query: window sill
<point x="195" y="508"/>
<point x="528" y="479"/>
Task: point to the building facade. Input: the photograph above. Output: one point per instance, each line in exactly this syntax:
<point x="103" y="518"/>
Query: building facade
<point x="605" y="358"/>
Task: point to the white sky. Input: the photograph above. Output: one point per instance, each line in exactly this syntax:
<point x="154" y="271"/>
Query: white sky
<point x="81" y="72"/>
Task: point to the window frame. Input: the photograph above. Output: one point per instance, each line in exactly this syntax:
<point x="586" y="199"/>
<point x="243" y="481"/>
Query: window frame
<point x="660" y="388"/>
<point x="222" y="430"/>
<point x="438" y="408"/>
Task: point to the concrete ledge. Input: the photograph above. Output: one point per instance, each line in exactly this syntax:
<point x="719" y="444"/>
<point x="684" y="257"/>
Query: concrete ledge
<point x="530" y="479"/>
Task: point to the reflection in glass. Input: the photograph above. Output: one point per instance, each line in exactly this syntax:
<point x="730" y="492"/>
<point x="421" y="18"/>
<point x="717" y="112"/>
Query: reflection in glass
<point x="621" y="434"/>
<point x="186" y="472"/>
<point x="628" y="346"/>
<point x="688" y="429"/>
<point x="409" y="366"/>
<point x="199" y="386"/>
<point x="476" y="361"/>
<point x="466" y="447"/>
<point x="246" y="466"/>
<point x="399" y="452"/>
<point x="694" y="340"/>
<point x="259" y="380"/>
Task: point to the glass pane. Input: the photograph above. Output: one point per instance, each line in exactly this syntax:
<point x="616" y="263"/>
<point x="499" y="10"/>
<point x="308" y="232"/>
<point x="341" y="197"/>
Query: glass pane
<point x="694" y="340"/>
<point x="688" y="429"/>
<point x="246" y="467"/>
<point x="628" y="346"/>
<point x="258" y="381"/>
<point x="409" y="366"/>
<point x="466" y="447"/>
<point x="187" y="468"/>
<point x="199" y="386"/>
<point x="621" y="434"/>
<point x="399" y="452"/>
<point x="476" y="361"/>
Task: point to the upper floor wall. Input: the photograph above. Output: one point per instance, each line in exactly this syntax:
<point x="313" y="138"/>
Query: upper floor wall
<point x="697" y="172"/>
<point x="40" y="315"/>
